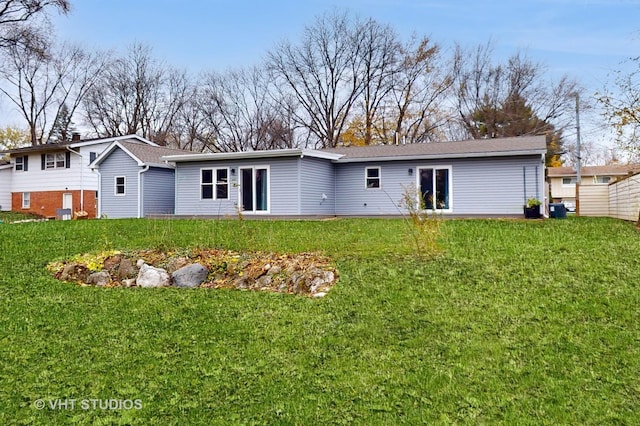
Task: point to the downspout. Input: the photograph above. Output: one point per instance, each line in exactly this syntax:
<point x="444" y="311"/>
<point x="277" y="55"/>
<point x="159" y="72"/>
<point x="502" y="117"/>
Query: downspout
<point x="140" y="192"/>
<point x="524" y="181"/>
<point x="99" y="212"/>
<point x="81" y="180"/>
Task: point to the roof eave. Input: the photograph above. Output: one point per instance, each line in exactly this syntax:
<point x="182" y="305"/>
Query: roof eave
<point x="441" y="156"/>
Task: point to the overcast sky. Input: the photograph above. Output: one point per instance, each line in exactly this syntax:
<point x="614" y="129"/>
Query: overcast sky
<point x="586" y="39"/>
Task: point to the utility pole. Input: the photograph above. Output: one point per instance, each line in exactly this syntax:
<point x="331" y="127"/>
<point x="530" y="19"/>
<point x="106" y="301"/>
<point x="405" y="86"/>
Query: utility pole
<point x="578" y="158"/>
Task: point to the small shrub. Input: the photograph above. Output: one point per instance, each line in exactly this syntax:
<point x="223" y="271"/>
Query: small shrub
<point x="425" y="225"/>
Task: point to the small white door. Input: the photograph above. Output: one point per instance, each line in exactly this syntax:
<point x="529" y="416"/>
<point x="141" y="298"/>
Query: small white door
<point x="67" y="203"/>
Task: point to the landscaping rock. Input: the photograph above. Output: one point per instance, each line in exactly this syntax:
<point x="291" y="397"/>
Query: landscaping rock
<point x="74" y="272"/>
<point x="129" y="282"/>
<point x="150" y="277"/>
<point x="176" y="263"/>
<point x="100" y="279"/>
<point x="190" y="276"/>
<point x="126" y="269"/>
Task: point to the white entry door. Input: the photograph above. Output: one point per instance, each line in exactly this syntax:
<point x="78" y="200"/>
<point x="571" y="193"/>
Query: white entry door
<point x="67" y="203"/>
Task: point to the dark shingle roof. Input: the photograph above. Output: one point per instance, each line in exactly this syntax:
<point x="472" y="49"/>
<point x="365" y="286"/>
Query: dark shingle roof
<point x="150" y="155"/>
<point x="470" y="148"/>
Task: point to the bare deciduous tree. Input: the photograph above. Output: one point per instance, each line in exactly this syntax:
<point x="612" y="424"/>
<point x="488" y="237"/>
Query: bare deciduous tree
<point x="137" y="94"/>
<point x="43" y="83"/>
<point x="323" y="72"/>
<point x="21" y="20"/>
<point x="415" y="110"/>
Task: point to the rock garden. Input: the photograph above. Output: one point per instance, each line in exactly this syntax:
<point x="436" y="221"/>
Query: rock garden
<point x="305" y="274"/>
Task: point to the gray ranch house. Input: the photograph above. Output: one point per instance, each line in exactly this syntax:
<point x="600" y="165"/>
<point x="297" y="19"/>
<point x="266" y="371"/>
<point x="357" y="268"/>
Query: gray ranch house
<point x="134" y="180"/>
<point x="492" y="177"/>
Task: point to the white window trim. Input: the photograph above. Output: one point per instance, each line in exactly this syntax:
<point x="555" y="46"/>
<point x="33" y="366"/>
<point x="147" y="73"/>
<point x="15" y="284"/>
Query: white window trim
<point x="214" y="183"/>
<point x="26" y="200"/>
<point x="450" y="183"/>
<point x="595" y="180"/>
<point x="253" y="171"/>
<point x="115" y="186"/>
<point x="50" y="165"/>
<point x="366" y="177"/>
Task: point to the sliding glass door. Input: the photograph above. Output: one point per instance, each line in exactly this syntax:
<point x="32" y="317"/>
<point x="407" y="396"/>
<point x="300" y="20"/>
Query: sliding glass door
<point x="435" y="187"/>
<point x="254" y="189"/>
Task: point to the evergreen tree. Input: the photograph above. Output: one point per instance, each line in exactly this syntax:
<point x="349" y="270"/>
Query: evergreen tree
<point x="63" y="127"/>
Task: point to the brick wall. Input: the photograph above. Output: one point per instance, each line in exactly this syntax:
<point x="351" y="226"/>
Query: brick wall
<point x="47" y="202"/>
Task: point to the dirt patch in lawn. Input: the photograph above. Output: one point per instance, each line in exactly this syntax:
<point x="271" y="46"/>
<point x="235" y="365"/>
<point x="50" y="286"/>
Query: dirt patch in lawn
<point x="308" y="274"/>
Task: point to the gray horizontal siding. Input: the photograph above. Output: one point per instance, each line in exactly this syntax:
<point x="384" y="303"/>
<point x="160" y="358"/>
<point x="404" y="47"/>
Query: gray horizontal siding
<point x="497" y="186"/>
<point x="352" y="196"/>
<point x="283" y="182"/>
<point x="118" y="164"/>
<point x="158" y="191"/>
<point x="317" y="177"/>
<point x="479" y="186"/>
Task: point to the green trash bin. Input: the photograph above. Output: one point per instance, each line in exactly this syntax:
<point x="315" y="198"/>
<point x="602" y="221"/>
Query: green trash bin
<point x="557" y="211"/>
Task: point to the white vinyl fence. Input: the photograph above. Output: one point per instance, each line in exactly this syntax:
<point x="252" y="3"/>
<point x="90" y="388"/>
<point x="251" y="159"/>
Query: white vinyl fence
<point x="624" y="198"/>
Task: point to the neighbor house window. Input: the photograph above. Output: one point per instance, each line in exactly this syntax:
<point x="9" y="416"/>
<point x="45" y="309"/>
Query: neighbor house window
<point x="435" y="187"/>
<point x="26" y="200"/>
<point x="601" y="179"/>
<point x="22" y="163"/>
<point x="214" y="184"/>
<point x="92" y="156"/>
<point x="121" y="182"/>
<point x="59" y="160"/>
<point x="569" y="181"/>
<point x="372" y="177"/>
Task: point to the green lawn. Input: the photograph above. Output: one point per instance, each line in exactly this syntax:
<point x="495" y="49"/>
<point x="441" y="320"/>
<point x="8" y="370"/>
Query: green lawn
<point x="516" y="322"/>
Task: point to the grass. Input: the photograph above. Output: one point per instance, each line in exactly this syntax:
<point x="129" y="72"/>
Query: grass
<point x="516" y="322"/>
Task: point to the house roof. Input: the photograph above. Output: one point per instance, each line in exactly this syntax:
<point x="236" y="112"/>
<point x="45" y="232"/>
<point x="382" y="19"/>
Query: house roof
<point x="272" y="153"/>
<point x="475" y="148"/>
<point x="461" y="149"/>
<point x="75" y="144"/>
<point x="143" y="154"/>
<point x="610" y="170"/>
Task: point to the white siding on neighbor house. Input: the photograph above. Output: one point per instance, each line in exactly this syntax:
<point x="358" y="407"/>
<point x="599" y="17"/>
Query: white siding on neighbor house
<point x="480" y="186"/>
<point x="624" y="198"/>
<point x="121" y="206"/>
<point x="558" y="190"/>
<point x="594" y="200"/>
<point x="5" y="187"/>
<point x="284" y="191"/>
<point x="317" y="178"/>
<point x="78" y="176"/>
<point x="158" y="191"/>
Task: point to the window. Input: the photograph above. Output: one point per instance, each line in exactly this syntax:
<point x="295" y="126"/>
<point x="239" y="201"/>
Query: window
<point x="222" y="184"/>
<point x="92" y="156"/>
<point x="569" y="181"/>
<point x="601" y="179"/>
<point x="22" y="163"/>
<point x="59" y="160"/>
<point x="372" y="177"/>
<point x="435" y="187"/>
<point x="214" y="184"/>
<point x="26" y="200"/>
<point x="121" y="182"/>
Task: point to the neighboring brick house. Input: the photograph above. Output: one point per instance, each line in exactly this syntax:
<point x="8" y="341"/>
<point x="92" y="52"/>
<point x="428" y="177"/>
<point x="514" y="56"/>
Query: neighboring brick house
<point x="54" y="179"/>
